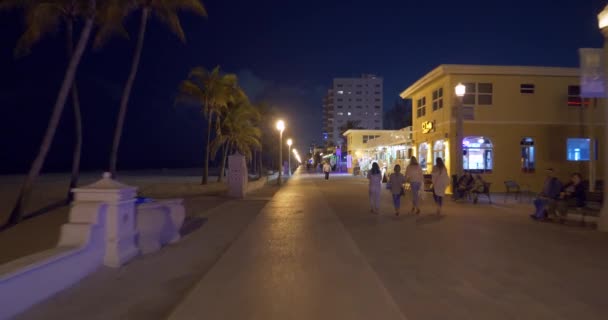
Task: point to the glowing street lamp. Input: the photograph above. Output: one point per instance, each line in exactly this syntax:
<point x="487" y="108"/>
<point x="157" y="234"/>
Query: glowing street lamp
<point x="281" y="128"/>
<point x="602" y="20"/>
<point x="460" y="90"/>
<point x="289" y="143"/>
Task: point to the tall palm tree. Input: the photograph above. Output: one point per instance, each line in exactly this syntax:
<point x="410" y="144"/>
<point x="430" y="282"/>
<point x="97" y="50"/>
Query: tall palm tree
<point x="41" y="19"/>
<point x="213" y="91"/>
<point x="166" y="11"/>
<point x="47" y="16"/>
<point x="237" y="131"/>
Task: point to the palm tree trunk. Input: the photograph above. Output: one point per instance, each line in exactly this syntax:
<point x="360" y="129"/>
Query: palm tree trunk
<point x="77" y="119"/>
<point x="223" y="167"/>
<point x="207" y="149"/>
<point x="124" y="101"/>
<point x="68" y="80"/>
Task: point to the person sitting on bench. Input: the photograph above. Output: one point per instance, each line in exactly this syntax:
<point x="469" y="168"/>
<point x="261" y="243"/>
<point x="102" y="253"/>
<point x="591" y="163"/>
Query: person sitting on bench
<point x="575" y="190"/>
<point x="547" y="198"/>
<point x="464" y="185"/>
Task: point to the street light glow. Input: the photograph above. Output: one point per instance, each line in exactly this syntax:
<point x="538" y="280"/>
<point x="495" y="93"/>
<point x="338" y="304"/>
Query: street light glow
<point x="281" y="125"/>
<point x="289" y="142"/>
<point x="460" y="90"/>
<point x="602" y="18"/>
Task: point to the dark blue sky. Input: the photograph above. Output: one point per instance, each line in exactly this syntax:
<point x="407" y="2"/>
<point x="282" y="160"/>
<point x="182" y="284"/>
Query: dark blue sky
<point x="284" y="51"/>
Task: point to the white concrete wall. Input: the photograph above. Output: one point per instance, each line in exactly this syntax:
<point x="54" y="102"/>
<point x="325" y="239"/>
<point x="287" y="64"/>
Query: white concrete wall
<point x="31" y="279"/>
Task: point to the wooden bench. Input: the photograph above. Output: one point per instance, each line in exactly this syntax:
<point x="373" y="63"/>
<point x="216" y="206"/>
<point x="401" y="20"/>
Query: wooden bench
<point x="513" y="188"/>
<point x="593" y="205"/>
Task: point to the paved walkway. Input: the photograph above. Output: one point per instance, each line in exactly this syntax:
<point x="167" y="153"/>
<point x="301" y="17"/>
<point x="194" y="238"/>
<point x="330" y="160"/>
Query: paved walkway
<point x="315" y="252"/>
<point x="295" y="261"/>
<point x="479" y="261"/>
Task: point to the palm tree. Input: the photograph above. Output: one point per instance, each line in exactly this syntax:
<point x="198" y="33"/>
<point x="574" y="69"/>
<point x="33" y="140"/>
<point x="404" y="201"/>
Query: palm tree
<point x="48" y="15"/>
<point x="166" y="11"/>
<point x="213" y="91"/>
<point x="237" y="131"/>
<point x="62" y="11"/>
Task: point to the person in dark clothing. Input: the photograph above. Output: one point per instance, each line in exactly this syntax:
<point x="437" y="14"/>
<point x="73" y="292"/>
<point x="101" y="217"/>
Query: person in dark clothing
<point x="463" y="185"/>
<point x="573" y="191"/>
<point x="547" y="198"/>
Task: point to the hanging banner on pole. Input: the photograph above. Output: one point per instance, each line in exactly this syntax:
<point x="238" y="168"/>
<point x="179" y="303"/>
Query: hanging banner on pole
<point x="592" y="73"/>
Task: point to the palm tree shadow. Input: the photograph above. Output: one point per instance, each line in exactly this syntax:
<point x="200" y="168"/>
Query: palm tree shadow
<point x="429" y="219"/>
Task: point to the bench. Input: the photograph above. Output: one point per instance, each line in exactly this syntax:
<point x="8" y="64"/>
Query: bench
<point x="593" y="205"/>
<point x="514" y="189"/>
<point x="485" y="191"/>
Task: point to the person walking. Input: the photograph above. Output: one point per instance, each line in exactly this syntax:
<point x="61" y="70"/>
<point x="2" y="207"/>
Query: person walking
<point x="413" y="174"/>
<point x="326" y="170"/>
<point x="375" y="186"/>
<point x="396" y="181"/>
<point x="441" y="180"/>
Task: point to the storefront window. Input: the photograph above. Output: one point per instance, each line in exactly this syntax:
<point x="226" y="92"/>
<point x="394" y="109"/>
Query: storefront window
<point x="438" y="151"/>
<point x="579" y="149"/>
<point x="477" y="154"/>
<point x="423" y="150"/>
<point x="527" y="155"/>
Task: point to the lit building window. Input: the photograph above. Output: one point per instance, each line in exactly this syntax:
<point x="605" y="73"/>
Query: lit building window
<point x="423" y="150"/>
<point x="477" y="154"/>
<point x="438" y="151"/>
<point x="340" y="92"/>
<point x="527" y="155"/>
<point x="349" y="113"/>
<point x="579" y="149"/>
<point x="340" y="113"/>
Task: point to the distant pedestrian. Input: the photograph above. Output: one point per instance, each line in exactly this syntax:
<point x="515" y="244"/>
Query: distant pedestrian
<point x="396" y="181"/>
<point x="413" y="174"/>
<point x="326" y="170"/>
<point x="375" y="186"/>
<point x="441" y="180"/>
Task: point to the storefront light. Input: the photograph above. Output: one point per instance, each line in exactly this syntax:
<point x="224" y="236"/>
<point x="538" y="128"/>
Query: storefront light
<point x="480" y="141"/>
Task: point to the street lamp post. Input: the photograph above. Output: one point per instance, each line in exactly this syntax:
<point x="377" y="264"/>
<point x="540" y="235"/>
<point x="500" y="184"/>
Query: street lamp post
<point x="281" y="128"/>
<point x="460" y="91"/>
<point x="603" y="25"/>
<point x="289" y="143"/>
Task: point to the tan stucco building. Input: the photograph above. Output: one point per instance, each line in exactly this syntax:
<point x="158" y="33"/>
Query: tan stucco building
<point x="518" y="121"/>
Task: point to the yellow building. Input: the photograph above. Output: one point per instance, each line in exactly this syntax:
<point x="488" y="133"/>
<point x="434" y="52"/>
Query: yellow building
<point x="518" y="121"/>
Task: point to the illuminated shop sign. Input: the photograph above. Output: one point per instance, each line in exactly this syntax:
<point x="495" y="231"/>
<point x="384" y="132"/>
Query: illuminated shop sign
<point x="428" y="126"/>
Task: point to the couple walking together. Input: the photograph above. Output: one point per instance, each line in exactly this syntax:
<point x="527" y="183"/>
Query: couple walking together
<point x="413" y="175"/>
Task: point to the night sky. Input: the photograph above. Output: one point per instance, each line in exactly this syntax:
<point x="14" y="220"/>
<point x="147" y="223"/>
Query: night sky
<point x="285" y="52"/>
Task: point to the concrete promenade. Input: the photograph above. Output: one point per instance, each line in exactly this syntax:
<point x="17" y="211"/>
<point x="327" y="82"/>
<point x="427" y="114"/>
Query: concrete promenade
<point x="314" y="251"/>
<point x="295" y="261"/>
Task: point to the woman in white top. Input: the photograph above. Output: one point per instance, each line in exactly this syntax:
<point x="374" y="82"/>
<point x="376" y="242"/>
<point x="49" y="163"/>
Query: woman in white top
<point x="396" y="182"/>
<point x="375" y="186"/>
<point x="413" y="174"/>
<point x="441" y="181"/>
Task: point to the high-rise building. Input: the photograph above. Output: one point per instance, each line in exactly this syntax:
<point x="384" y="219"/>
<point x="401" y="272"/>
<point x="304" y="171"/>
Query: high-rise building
<point x="352" y="103"/>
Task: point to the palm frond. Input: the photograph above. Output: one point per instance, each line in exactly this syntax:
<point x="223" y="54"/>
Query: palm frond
<point x="110" y="19"/>
<point x="41" y="19"/>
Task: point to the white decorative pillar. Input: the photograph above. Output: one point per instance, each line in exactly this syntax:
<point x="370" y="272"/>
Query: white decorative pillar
<point x="120" y="231"/>
<point x="237" y="176"/>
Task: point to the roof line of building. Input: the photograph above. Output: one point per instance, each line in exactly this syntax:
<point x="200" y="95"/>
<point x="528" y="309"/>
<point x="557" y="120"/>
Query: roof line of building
<point x="446" y="69"/>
